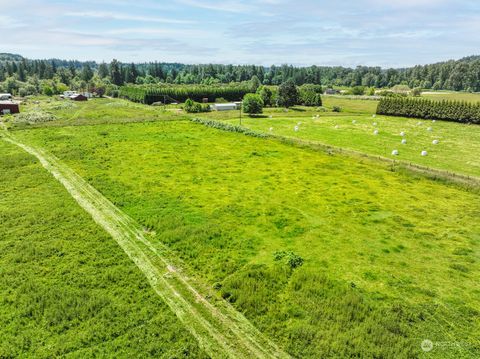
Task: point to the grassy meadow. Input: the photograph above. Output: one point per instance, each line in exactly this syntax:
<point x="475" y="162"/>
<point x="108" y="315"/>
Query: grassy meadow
<point x="66" y="288"/>
<point x="456" y="96"/>
<point x="353" y="128"/>
<point x="390" y="259"/>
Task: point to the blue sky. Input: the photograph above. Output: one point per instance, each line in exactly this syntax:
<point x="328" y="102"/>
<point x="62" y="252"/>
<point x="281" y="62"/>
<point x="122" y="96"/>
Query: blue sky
<point x="304" y="32"/>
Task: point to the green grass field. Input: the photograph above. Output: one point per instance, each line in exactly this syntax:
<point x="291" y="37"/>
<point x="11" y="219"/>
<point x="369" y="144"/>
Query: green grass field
<point x="354" y="127"/>
<point x="457" y="96"/>
<point x="66" y="288"/>
<point x="390" y="259"/>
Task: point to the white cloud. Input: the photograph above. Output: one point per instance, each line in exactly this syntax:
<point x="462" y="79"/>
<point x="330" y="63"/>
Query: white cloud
<point x="7" y="22"/>
<point x="127" y="17"/>
<point x="224" y="6"/>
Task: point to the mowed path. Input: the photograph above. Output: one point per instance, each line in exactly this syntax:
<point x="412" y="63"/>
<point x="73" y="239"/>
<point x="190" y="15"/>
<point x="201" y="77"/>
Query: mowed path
<point x="220" y="330"/>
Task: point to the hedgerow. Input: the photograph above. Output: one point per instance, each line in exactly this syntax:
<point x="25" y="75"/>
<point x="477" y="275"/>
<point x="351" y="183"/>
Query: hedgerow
<point x="230" y="128"/>
<point x="149" y="94"/>
<point x="456" y="111"/>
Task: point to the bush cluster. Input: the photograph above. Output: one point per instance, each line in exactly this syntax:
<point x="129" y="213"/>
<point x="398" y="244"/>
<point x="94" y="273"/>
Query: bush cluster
<point x="33" y="117"/>
<point x="191" y="106"/>
<point x="456" y="111"/>
<point x="292" y="259"/>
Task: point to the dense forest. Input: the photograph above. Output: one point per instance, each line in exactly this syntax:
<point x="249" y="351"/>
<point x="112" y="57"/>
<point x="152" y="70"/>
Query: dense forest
<point x="23" y="76"/>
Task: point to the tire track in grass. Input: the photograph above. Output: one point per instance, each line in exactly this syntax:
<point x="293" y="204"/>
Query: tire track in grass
<point x="220" y="330"/>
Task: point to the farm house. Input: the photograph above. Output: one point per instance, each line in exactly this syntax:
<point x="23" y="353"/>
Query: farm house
<point x="224" y="106"/>
<point x="8" y="107"/>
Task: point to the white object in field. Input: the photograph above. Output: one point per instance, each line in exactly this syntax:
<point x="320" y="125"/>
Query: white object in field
<point x="225" y="106"/>
<point x="298" y="124"/>
<point x="354" y="121"/>
<point x="404" y="141"/>
<point x="375" y="132"/>
<point x="296" y="128"/>
<point x="434" y="121"/>
<point x="430" y="129"/>
<point x="374" y="123"/>
<point x="337" y="126"/>
<point x="374" y="116"/>
<point x="317" y="116"/>
<point x="424" y="153"/>
<point x="313" y="117"/>
<point x="419" y="123"/>
<point x="395" y="153"/>
<point x="435" y="142"/>
<point x="270" y="116"/>
<point x="402" y="134"/>
<point x="270" y="129"/>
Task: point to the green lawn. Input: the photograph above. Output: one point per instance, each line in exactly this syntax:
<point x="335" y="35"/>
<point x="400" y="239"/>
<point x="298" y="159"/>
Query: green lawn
<point x="390" y="259"/>
<point x="66" y="288"/>
<point x="353" y="128"/>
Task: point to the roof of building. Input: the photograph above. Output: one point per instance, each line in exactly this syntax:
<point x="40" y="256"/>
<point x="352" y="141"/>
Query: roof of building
<point x="225" y="104"/>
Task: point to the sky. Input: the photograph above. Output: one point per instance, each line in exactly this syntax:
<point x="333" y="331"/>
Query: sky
<point x="389" y="33"/>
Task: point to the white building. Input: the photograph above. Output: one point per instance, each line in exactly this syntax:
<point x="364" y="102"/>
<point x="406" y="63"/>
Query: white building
<point x="224" y="106"/>
<point x="69" y="93"/>
<point x="5" y="96"/>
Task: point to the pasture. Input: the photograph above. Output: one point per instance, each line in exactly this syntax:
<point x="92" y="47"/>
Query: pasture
<point x="390" y="259"/>
<point x="66" y="288"/>
<point x="448" y="95"/>
<point x="354" y="129"/>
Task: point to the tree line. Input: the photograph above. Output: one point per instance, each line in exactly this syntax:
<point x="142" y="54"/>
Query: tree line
<point x="456" y="111"/>
<point x="460" y="75"/>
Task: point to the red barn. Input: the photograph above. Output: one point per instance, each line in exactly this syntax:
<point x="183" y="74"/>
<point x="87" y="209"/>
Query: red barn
<point x="7" y="107"/>
<point x="78" y="98"/>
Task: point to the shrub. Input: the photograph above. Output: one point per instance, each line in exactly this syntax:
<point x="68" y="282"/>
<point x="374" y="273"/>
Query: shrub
<point x="292" y="259"/>
<point x="33" y="117"/>
<point x="416" y="92"/>
<point x="358" y="90"/>
<point x="336" y="109"/>
<point x="191" y="106"/>
<point x="252" y="104"/>
<point x="48" y="91"/>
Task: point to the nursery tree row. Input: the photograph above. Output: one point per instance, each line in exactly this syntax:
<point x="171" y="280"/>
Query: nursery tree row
<point x="456" y="111"/>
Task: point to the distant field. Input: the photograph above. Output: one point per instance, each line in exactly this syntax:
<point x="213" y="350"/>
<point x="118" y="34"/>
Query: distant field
<point x="458" y="96"/>
<point x="390" y="259"/>
<point x="66" y="287"/>
<point x="96" y="111"/>
<point x="457" y="151"/>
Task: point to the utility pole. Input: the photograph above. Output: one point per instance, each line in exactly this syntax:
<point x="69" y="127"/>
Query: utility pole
<point x="240" y="114"/>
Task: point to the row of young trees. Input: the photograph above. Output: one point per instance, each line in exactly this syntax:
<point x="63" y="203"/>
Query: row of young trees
<point x="458" y="75"/>
<point x="456" y="111"/>
<point x="149" y="94"/>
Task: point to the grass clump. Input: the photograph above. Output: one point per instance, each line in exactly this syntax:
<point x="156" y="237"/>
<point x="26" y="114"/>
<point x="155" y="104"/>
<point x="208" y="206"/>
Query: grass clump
<point x="290" y="258"/>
